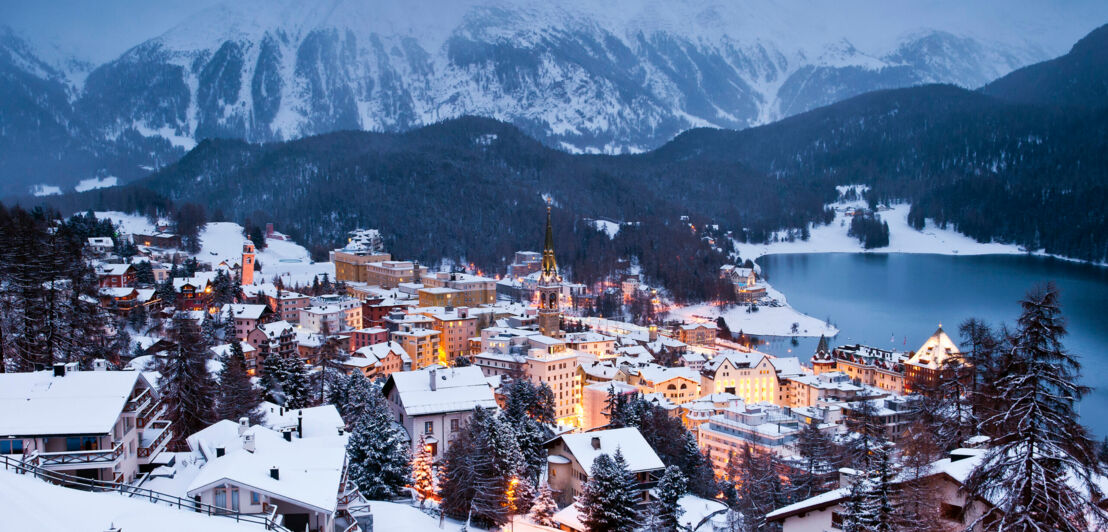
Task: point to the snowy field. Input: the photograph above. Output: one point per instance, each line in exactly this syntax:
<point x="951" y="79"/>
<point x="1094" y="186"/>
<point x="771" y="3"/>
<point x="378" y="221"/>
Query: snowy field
<point x="903" y="238"/>
<point x="767" y="321"/>
<point x="407" y="518"/>
<point x="31" y="504"/>
<point x="222" y="241"/>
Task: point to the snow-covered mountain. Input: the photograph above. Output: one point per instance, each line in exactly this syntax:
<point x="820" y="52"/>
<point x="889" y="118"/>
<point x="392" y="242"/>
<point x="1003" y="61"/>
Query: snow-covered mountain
<point x="612" y="76"/>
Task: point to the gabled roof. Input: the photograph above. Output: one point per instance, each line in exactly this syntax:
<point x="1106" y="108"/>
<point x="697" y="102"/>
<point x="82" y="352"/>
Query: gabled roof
<point x="81" y="402"/>
<point x="455" y="390"/>
<point x="381" y="351"/>
<point x="112" y="269"/>
<point x="275" y="329"/>
<point x="240" y="311"/>
<point x="935" y="351"/>
<point x="738" y="359"/>
<point x="636" y="451"/>
<point x="310" y="469"/>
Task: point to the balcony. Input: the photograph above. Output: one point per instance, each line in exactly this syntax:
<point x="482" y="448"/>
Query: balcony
<point x="154" y="438"/>
<point x="96" y="458"/>
<point x="139" y="401"/>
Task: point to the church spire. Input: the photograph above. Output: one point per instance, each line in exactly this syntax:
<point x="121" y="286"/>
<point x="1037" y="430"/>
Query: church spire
<point x="549" y="265"/>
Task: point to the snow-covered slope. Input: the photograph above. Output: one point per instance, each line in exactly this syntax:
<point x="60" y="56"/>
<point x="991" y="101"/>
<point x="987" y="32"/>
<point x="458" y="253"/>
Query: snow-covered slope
<point x="222" y="242"/>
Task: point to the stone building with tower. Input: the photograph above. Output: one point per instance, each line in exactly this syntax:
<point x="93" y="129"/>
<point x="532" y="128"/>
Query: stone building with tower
<point x="247" y="263"/>
<point x="550" y="287"/>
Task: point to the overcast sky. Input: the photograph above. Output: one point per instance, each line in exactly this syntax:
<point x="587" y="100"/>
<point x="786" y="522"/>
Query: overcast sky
<point x="96" y="30"/>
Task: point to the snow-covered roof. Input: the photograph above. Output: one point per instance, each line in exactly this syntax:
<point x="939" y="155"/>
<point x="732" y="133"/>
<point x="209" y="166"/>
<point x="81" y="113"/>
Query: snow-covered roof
<point x="455" y="390"/>
<point x="657" y="374"/>
<point x="275" y="329"/>
<point x="787" y="366"/>
<point x="822" y="500"/>
<point x="223" y="350"/>
<point x="570" y="516"/>
<point x="32" y="504"/>
<point x="242" y="311"/>
<point x="738" y="359"/>
<point x="934" y="351"/>
<point x="309" y="469"/>
<point x="81" y="402"/>
<point x="377" y="352"/>
<point x="114" y="292"/>
<point x="112" y="269"/>
<point x="636" y="451"/>
<point x="318" y="421"/>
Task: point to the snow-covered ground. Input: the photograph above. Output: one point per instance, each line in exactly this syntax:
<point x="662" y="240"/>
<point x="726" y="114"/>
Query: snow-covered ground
<point x="222" y="241"/>
<point x="400" y="516"/>
<point x="607" y="227"/>
<point x="27" y="503"/>
<point x="903" y="238"/>
<point x="45" y="190"/>
<point x="94" y="183"/>
<point x="767" y="321"/>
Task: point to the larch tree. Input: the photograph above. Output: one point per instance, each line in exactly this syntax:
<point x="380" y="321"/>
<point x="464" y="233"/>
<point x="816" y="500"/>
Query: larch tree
<point x="187" y="388"/>
<point x="1040" y="467"/>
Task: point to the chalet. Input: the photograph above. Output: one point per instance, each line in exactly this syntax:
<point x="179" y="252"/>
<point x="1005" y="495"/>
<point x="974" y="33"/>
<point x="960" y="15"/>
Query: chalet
<point x="246" y="317"/>
<point x="115" y="275"/>
<point x="378" y="360"/>
<point x="100" y="245"/>
<point x="571" y="456"/>
<point x="271" y="339"/>
<point x="194" y="293"/>
<point x="293" y="464"/>
<point x="249" y="353"/>
<point x="98" y="425"/>
<point x="158" y="239"/>
<point x="435" y="402"/>
<point x="123" y="300"/>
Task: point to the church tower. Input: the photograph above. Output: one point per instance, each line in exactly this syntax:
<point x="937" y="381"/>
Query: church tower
<point x="550" y="287"/>
<point x="247" y="263"/>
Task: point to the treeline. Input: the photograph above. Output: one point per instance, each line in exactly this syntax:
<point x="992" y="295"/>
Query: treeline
<point x="868" y="227"/>
<point x="49" y="306"/>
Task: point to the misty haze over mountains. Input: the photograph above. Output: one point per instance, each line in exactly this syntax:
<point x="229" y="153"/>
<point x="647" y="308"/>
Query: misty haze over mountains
<point x="580" y="76"/>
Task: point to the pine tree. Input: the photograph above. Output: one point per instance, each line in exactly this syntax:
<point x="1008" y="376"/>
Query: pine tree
<point x="666" y="510"/>
<point x="479" y="467"/>
<point x="287" y="381"/>
<point x="422" y="477"/>
<point x="380" y="460"/>
<point x="238" y="398"/>
<point x="1039" y="468"/>
<point x="608" y="503"/>
<point x="543" y="506"/>
<point x="815" y="470"/>
<point x="187" y="387"/>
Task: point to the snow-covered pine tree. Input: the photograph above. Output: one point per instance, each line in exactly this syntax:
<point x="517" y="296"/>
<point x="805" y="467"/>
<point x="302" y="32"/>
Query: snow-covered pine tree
<point x="543" y="506"/>
<point x="422" y="476"/>
<point x="608" y="503"/>
<point x="380" y="460"/>
<point x="357" y="396"/>
<point x="186" y="386"/>
<point x="1039" y="469"/>
<point x="666" y="510"/>
<point x="814" y="471"/>
<point x="478" y="469"/>
<point x="294" y="382"/>
<point x="238" y="398"/>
